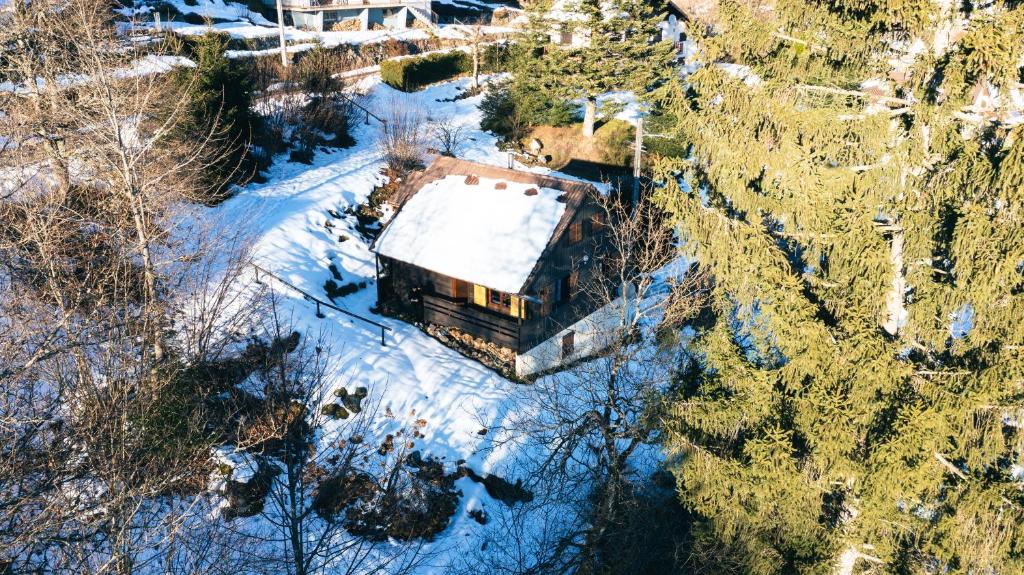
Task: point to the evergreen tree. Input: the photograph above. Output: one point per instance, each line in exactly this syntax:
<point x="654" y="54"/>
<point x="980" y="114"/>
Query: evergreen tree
<point x="858" y="396"/>
<point x="219" y="104"/>
<point x="622" y="51"/>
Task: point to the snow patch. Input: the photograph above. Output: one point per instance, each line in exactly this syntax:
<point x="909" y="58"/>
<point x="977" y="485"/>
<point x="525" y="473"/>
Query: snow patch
<point x="242" y="467"/>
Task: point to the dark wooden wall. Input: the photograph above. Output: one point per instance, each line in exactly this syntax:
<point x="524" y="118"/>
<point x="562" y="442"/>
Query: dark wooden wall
<point x="564" y="258"/>
<point x="431" y="297"/>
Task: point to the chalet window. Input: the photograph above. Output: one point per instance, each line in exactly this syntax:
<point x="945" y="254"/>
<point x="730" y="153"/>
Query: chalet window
<point x="500" y="299"/>
<point x="565" y="287"/>
<point x="568" y="344"/>
<point x="576" y="232"/>
<point x="597" y="223"/>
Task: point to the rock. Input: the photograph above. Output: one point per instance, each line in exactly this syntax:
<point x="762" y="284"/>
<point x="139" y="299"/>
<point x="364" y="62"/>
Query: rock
<point x="354" y="403"/>
<point x="535" y="146"/>
<point x="335" y="411"/>
<point x="338" y="491"/>
<point x="478" y="515"/>
<point x="388" y="446"/>
<point x="420" y="510"/>
<point x="415" y="459"/>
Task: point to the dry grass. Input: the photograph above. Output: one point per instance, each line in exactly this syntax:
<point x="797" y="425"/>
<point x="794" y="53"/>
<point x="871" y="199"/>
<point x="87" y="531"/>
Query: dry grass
<point x="564" y="144"/>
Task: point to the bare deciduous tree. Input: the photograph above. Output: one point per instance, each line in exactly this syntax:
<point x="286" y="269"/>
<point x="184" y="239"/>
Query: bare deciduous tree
<point x="477" y="36"/>
<point x="104" y="425"/>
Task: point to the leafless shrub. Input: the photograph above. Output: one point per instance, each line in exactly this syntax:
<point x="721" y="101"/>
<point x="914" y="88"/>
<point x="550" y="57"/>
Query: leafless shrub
<point x="403" y="138"/>
<point x="449" y="136"/>
<point x="305" y="105"/>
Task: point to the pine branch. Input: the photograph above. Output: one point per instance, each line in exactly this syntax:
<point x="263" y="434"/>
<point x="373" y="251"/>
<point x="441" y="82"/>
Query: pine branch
<point x="949" y="465"/>
<point x="814" y="47"/>
<point x="854" y="93"/>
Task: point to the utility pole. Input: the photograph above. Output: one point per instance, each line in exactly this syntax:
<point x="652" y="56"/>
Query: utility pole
<point x="280" y="33"/>
<point x="638" y="154"/>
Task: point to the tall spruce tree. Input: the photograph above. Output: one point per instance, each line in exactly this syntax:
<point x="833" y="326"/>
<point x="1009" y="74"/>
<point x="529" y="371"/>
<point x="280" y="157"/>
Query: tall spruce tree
<point x="621" y="50"/>
<point x="857" y="400"/>
<point x="219" y="108"/>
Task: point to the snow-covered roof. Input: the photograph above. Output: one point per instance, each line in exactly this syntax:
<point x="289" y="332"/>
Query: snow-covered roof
<point x="478" y="223"/>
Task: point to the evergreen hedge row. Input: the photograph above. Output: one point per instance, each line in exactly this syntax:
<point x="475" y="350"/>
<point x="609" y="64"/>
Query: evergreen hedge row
<point x="411" y="74"/>
<point x="414" y="73"/>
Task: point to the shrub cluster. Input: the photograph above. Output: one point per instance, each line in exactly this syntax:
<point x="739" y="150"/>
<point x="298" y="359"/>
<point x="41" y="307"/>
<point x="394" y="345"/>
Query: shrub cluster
<point x="410" y="74"/>
<point x="413" y="73"/>
<point x="511" y="109"/>
<point x="615" y="142"/>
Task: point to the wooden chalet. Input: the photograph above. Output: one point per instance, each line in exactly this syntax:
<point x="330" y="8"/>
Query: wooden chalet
<point x="497" y="253"/>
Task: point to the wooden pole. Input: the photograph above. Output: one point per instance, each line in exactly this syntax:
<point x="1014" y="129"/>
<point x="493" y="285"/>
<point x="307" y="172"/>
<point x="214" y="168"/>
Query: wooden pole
<point x="280" y="34"/>
<point x="638" y="154"/>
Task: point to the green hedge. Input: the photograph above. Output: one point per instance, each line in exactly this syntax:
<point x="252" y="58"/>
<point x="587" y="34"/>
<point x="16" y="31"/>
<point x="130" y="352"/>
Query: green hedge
<point x="413" y="73"/>
<point x="410" y="74"/>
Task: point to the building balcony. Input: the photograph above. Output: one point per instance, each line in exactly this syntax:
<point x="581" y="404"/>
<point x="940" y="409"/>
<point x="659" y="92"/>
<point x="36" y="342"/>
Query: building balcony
<point x="353" y="4"/>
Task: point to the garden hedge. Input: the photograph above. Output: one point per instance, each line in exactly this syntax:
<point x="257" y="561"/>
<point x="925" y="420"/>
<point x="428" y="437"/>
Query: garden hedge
<point x="413" y="73"/>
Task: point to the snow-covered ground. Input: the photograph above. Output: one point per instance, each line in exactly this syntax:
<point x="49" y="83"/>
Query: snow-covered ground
<point x="416" y="377"/>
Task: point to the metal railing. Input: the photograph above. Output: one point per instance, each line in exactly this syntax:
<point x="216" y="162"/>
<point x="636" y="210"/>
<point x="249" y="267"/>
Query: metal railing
<point x="366" y="110"/>
<point x="319" y="302"/>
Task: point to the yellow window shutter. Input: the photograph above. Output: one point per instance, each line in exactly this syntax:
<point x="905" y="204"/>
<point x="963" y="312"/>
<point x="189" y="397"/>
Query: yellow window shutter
<point x="479" y="295"/>
<point x="514" y="308"/>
